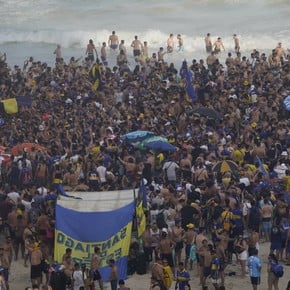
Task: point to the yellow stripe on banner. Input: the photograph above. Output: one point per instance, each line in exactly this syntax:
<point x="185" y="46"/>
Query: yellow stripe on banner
<point x="10" y="106"/>
<point x="82" y="252"/>
<point x="141" y="219"/>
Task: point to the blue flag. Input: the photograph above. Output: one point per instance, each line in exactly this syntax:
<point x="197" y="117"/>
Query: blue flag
<point x="186" y="74"/>
<point x="261" y="166"/>
<point x="81" y="228"/>
<point x="142" y="194"/>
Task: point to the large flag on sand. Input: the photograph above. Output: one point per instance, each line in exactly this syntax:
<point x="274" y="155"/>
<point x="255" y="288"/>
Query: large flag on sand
<point x="82" y="225"/>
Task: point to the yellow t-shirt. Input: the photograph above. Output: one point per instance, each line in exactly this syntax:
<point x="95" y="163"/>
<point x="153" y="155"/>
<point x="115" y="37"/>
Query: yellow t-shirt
<point x="167" y="276"/>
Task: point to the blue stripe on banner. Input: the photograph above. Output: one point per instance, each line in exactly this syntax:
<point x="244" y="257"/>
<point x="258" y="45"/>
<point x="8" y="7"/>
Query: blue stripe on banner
<point x="104" y="225"/>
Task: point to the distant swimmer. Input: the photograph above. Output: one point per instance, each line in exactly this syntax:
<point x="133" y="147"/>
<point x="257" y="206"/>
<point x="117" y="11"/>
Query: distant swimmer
<point x="237" y="43"/>
<point x="58" y="55"/>
<point x="137" y="47"/>
<point x="208" y="43"/>
<point x="113" y="41"/>
<point x="218" y="46"/>
<point x="180" y="43"/>
<point x="170" y="43"/>
<point x="122" y="46"/>
<point x="104" y="54"/>
<point x="145" y="51"/>
<point x="90" y="51"/>
<point x="3" y="57"/>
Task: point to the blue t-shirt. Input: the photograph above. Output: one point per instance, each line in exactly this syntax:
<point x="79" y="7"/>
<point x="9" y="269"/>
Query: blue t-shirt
<point x="254" y="264"/>
<point x="183" y="274"/>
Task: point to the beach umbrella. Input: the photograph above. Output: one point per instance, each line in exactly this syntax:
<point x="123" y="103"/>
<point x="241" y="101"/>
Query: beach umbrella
<point x="205" y="112"/>
<point x="137" y="136"/>
<point x="28" y="147"/>
<point x="142" y="145"/>
<point x="225" y="166"/>
<point x="160" y="145"/>
<point x="286" y="103"/>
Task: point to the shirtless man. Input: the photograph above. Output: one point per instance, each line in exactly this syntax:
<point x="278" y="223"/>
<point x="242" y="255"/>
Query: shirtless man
<point x="170" y="43"/>
<point x="267" y="212"/>
<point x="237" y="43"/>
<point x="147" y="241"/>
<point x="208" y="43"/>
<point x="177" y="238"/>
<point x="123" y="47"/>
<point x="205" y="261"/>
<point x="165" y="248"/>
<point x="90" y="51"/>
<point x="210" y="60"/>
<point x="280" y="51"/>
<point x="157" y="271"/>
<point x="218" y="46"/>
<point x="188" y="238"/>
<point x="137" y="47"/>
<point x="160" y="54"/>
<point x="113" y="41"/>
<point x="36" y="267"/>
<point x="95" y="263"/>
<point x="57" y="52"/>
<point x="104" y="54"/>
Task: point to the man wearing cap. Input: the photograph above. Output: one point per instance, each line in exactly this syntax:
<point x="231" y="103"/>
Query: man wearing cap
<point x="189" y="238"/>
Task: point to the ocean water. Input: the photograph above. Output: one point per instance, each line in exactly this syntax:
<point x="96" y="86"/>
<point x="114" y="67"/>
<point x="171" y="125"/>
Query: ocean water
<point x="35" y="27"/>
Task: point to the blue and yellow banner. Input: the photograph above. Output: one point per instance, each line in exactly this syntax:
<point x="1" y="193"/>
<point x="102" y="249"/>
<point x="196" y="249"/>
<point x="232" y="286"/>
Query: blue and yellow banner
<point x="141" y="219"/>
<point x="83" y="230"/>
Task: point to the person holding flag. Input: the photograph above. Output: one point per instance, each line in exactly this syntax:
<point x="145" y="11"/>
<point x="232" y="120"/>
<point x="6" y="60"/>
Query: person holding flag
<point x="186" y="74"/>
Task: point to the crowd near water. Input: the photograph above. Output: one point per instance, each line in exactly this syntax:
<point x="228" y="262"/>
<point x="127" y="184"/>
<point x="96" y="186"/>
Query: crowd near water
<point x="211" y="201"/>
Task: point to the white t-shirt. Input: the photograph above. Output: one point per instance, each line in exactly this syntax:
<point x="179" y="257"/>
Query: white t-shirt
<point x="170" y="167"/>
<point x="78" y="278"/>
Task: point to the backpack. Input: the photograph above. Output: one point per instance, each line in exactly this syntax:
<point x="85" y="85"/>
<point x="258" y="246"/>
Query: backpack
<point x="277" y="269"/>
<point x="160" y="221"/>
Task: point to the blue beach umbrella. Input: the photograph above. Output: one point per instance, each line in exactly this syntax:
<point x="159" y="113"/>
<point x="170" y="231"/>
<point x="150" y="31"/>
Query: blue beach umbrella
<point x="137" y="136"/>
<point x="286" y="103"/>
<point x="160" y="145"/>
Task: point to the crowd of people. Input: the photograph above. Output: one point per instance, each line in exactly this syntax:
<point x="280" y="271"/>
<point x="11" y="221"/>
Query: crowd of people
<point x="196" y="210"/>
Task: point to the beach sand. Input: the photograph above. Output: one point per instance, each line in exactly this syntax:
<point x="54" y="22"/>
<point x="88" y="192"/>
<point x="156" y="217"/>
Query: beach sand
<point x="19" y="276"/>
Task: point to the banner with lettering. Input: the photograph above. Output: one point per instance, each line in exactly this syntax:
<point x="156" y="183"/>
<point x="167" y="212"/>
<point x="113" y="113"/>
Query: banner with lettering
<point x="84" y="229"/>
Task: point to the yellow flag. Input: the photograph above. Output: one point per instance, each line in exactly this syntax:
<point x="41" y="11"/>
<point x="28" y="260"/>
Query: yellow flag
<point x="141" y="219"/>
<point x="10" y="106"/>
